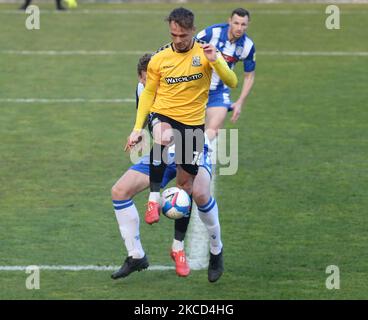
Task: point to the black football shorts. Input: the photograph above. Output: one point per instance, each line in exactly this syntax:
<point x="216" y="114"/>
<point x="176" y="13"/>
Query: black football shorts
<point x="189" y="141"/>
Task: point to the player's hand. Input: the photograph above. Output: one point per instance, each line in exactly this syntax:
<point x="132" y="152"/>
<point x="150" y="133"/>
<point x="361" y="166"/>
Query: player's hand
<point x="134" y="138"/>
<point x="209" y="51"/>
<point x="237" y="108"/>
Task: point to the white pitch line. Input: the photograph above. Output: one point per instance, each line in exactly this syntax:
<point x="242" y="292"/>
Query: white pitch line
<point x="79" y="268"/>
<point x="73" y="52"/>
<point x="161" y="12"/>
<point x="89" y="11"/>
<point x="140" y="52"/>
<point x="314" y="53"/>
<point x="73" y="100"/>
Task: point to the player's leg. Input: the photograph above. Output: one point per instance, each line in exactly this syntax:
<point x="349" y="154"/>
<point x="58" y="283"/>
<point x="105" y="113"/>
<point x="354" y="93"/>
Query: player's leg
<point x="218" y="105"/>
<point x="188" y="152"/>
<point x="59" y="6"/>
<point x="215" y="118"/>
<point x="184" y="180"/>
<point x="180" y="226"/>
<point x="162" y="136"/>
<point x="25" y="5"/>
<point x="208" y="213"/>
<point x="131" y="183"/>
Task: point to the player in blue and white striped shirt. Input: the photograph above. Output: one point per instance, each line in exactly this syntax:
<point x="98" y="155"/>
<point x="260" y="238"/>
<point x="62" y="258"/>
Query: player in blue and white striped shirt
<point x="233" y="43"/>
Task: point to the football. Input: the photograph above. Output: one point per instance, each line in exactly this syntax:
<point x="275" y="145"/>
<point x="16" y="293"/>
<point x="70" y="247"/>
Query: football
<point x="175" y="203"/>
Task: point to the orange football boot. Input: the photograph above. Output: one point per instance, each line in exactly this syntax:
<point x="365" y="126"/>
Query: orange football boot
<point x="153" y="212"/>
<point x="181" y="264"/>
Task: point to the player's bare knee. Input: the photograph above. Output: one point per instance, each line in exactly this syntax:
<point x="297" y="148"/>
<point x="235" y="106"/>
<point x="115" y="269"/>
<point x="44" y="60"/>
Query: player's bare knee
<point x="118" y="193"/>
<point x="114" y="192"/>
<point x="162" y="133"/>
<point x="166" y="140"/>
<point x="200" y="196"/>
<point x="186" y="185"/>
<point x="163" y="140"/>
<point x="212" y="133"/>
<point x="215" y="131"/>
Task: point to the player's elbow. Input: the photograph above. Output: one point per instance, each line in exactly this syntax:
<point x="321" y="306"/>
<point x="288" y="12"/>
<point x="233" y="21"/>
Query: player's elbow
<point x="250" y="76"/>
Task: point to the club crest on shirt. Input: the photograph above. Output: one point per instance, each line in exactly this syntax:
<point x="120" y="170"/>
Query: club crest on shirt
<point x="196" y="62"/>
<point x="238" y="51"/>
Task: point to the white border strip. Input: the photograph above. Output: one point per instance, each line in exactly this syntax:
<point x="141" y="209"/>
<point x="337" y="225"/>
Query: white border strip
<point x="139" y="52"/>
<point x="79" y="268"/>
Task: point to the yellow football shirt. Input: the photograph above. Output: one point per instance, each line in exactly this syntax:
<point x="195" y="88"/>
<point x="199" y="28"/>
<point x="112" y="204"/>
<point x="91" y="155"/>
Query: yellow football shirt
<point x="183" y="82"/>
<point x="177" y="84"/>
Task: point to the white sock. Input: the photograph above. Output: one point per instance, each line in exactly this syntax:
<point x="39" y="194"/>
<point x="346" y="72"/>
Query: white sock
<point x="177" y="245"/>
<point x="209" y="216"/>
<point x="154" y="196"/>
<point x="128" y="219"/>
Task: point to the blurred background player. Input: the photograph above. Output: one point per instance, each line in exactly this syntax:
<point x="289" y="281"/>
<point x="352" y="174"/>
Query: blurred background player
<point x="142" y="75"/>
<point x="59" y="6"/>
<point x="71" y="3"/>
<point x="175" y="95"/>
<point x="231" y="40"/>
<point x="135" y="180"/>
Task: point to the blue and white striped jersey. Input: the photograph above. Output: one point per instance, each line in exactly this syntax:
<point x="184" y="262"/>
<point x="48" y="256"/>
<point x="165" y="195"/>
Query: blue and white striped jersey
<point x="243" y="49"/>
<point x="138" y="91"/>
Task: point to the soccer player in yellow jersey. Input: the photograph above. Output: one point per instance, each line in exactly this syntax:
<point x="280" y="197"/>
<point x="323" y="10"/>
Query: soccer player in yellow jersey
<point x="136" y="179"/>
<point x="175" y="97"/>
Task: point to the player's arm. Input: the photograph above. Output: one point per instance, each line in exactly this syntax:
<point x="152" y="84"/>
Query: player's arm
<point x="227" y="75"/>
<point x="146" y="100"/>
<point x="218" y="63"/>
<point x="247" y="86"/>
<point x="138" y="93"/>
<point x="249" y="76"/>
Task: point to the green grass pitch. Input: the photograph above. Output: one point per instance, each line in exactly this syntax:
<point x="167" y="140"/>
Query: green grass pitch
<point x="297" y="204"/>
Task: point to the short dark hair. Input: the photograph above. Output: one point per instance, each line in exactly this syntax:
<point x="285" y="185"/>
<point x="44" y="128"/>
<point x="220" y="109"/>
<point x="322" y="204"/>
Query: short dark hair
<point x="183" y="17"/>
<point x="241" y="12"/>
<point x="143" y="63"/>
